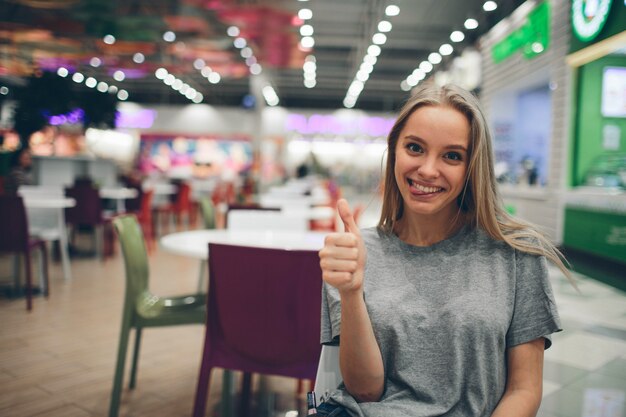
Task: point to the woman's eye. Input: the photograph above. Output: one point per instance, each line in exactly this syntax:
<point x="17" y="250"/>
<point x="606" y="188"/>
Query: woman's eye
<point x="455" y="156"/>
<point x="414" y="147"/>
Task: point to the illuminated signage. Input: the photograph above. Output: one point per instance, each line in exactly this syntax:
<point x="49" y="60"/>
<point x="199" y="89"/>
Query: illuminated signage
<point x="589" y="17"/>
<point x="328" y="124"/>
<point x="532" y="38"/>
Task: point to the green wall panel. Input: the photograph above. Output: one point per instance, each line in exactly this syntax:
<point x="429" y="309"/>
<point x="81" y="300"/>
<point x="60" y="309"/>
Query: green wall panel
<point x="599" y="233"/>
<point x="589" y="120"/>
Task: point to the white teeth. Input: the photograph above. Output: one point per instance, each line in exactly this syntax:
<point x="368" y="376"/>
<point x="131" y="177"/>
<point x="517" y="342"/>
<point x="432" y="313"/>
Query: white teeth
<point x="423" y="188"/>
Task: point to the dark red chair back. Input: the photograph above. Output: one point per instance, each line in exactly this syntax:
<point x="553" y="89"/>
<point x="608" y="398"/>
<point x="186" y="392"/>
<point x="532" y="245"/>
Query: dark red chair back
<point x="13" y="224"/>
<point x="263" y="314"/>
<point x="88" y="208"/>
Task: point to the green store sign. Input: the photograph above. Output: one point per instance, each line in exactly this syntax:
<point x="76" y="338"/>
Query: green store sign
<point x="532" y="38"/>
<point x="589" y="17"/>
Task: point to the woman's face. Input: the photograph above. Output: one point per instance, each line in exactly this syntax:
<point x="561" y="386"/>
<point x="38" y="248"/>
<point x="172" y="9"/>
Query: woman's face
<point x="431" y="161"/>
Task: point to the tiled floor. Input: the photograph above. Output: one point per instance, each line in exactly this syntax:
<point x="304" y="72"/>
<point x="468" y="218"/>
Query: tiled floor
<point x="59" y="359"/>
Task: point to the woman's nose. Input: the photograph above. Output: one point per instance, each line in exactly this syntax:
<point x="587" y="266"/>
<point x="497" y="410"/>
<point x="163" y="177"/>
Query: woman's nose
<point x="429" y="168"/>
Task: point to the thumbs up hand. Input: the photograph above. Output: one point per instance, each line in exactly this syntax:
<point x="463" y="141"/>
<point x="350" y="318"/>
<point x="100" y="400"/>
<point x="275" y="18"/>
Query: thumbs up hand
<point x="343" y="256"/>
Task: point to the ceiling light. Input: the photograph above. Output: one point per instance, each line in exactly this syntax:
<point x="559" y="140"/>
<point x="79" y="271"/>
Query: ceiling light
<point x="370" y="59"/>
<point x="366" y="67"/>
<point x="78" y="77"/>
<point x="198" y="98"/>
<point x="310" y="83"/>
<point x="91" y="82"/>
<point x="246" y="52"/>
<point x="306" y="30"/>
<point x="426" y="66"/>
<point x="214" y="77"/>
<point x="457" y="36"/>
<point x="309" y="66"/>
<point x="177" y="85"/>
<point x="102" y="87"/>
<point x="446" y="49"/>
<point x="490" y="6"/>
<point x="255" y="69"/>
<point x="412" y="80"/>
<point x="239" y="43"/>
<point x="305" y="14"/>
<point x="471" y="24"/>
<point x="392" y="10"/>
<point x="384" y="26"/>
<point x="95" y="62"/>
<point x="119" y="75"/>
<point x="169" y="79"/>
<point x="160" y="73"/>
<point x="373" y="50"/>
<point x="419" y="74"/>
<point x="362" y="76"/>
<point x="139" y="58"/>
<point x="310" y="58"/>
<point x="109" y="39"/>
<point x="169" y="36"/>
<point x="112" y="89"/>
<point x="434" y="58"/>
<point x="379" y="39"/>
<point x="309" y="75"/>
<point x="122" y="95"/>
<point x="232" y="31"/>
<point x="307" y="42"/>
<point x="199" y="64"/>
<point x="62" y="72"/>
<point x="206" y="71"/>
<point x="405" y="86"/>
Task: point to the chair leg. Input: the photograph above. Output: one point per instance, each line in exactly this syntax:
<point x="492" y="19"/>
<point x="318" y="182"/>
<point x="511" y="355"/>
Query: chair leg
<point x="133" y="369"/>
<point x="201" y="281"/>
<point x="202" y="388"/>
<point x="29" y="282"/>
<point x="116" y="393"/>
<point x="44" y="261"/>
<point x="246" y="394"/>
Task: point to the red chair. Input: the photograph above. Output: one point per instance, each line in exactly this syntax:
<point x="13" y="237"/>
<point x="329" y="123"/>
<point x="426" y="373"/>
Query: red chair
<point x="144" y="216"/>
<point x="181" y="206"/>
<point x="14" y="238"/>
<point x="263" y="316"/>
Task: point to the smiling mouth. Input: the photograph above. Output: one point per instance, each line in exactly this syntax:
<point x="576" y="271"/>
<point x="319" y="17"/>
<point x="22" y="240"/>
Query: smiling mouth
<point x="424" y="189"/>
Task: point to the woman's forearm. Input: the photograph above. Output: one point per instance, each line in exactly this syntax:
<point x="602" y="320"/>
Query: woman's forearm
<point x="359" y="355"/>
<point x="518" y="403"/>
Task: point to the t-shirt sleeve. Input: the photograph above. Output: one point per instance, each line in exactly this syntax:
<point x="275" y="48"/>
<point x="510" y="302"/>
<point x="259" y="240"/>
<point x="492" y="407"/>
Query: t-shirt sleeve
<point x="331" y="316"/>
<point x="534" y="313"/>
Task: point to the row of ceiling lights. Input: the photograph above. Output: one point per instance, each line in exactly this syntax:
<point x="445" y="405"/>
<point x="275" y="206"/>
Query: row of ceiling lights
<point x="179" y="85"/>
<point x="445" y="49"/>
<point x="369" y="60"/>
<point x="309" y="68"/>
<point x="91" y="82"/>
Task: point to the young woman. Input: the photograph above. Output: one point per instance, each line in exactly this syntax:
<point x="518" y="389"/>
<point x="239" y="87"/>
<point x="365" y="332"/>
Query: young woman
<point x="445" y="308"/>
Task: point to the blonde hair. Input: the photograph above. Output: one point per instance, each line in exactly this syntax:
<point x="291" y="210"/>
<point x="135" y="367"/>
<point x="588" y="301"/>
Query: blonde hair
<point x="479" y="203"/>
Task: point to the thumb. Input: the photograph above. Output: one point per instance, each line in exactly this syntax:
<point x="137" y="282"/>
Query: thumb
<point x="346" y="217"/>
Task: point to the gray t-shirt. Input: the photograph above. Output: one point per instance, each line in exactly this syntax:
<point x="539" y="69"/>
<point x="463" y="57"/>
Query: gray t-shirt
<point x="443" y="317"/>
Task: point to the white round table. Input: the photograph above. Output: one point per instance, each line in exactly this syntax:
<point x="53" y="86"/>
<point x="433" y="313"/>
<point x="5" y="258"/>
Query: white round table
<point x="119" y="194"/>
<point x="195" y="243"/>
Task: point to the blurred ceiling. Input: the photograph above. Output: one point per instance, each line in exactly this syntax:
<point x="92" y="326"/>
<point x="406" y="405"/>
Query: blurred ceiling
<point x="43" y="35"/>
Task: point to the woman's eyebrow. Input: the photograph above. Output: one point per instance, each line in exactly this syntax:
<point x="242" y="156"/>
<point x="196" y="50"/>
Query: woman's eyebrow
<point x="422" y="141"/>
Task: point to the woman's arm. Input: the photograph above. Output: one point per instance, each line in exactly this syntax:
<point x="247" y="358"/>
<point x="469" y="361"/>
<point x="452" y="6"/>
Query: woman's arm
<point x="343" y="263"/>
<point x="523" y="392"/>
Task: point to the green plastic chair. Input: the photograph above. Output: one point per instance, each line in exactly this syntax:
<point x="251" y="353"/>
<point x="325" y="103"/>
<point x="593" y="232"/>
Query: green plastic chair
<point x="208" y="218"/>
<point x="141" y="307"/>
<point x="208" y="212"/>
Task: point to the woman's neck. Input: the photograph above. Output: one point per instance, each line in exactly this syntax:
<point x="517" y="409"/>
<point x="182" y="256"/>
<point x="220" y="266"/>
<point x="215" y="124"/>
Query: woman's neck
<point x="425" y="231"/>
